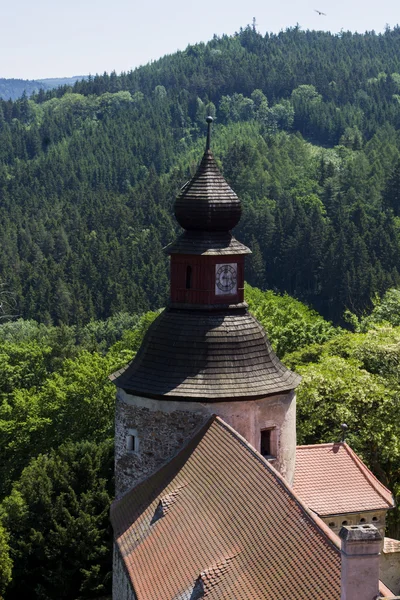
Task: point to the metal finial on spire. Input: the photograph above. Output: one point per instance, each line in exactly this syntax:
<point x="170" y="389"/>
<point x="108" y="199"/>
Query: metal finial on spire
<point x="209" y="120"/>
<point x="344" y="428"/>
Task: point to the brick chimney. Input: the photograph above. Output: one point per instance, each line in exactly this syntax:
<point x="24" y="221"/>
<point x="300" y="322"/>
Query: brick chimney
<point x="360" y="562"/>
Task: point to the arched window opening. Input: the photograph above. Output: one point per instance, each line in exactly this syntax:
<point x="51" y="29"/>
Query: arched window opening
<point x="188" y="277"/>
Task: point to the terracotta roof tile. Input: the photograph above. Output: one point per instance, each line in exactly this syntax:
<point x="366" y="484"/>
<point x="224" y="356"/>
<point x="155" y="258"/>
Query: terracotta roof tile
<point x="331" y="479"/>
<point x="234" y="529"/>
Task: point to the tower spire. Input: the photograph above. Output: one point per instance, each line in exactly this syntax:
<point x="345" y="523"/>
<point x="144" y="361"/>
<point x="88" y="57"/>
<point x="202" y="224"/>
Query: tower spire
<point x="209" y="120"/>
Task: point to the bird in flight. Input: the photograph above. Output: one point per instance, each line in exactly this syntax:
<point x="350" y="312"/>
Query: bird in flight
<point x="320" y="13"/>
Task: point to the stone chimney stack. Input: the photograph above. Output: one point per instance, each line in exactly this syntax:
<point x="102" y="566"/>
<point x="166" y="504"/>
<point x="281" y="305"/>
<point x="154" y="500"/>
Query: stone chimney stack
<point x="360" y="562"/>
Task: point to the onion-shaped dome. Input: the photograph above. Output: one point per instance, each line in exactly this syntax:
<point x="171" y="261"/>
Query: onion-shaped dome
<point x="207" y="202"/>
<point x="211" y="355"/>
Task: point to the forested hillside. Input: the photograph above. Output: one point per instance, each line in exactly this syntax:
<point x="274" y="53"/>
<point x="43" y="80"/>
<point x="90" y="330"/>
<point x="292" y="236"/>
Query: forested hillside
<point x="306" y="133"/>
<point x="57" y="421"/>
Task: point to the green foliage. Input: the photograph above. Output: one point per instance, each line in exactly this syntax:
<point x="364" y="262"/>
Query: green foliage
<point x="75" y="403"/>
<point x="124" y="350"/>
<point x="56" y="415"/>
<point x="335" y="391"/>
<point x="290" y="325"/>
<point x="55" y="389"/>
<point x="58" y="513"/>
<point x="386" y="310"/>
<point x="5" y="560"/>
<point x="355" y="379"/>
<point x="22" y="365"/>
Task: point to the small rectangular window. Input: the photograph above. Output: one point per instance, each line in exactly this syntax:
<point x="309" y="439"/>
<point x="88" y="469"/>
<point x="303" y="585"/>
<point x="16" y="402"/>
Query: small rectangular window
<point x="130" y="443"/>
<point x="266" y="443"/>
<point x="188" y="277"/>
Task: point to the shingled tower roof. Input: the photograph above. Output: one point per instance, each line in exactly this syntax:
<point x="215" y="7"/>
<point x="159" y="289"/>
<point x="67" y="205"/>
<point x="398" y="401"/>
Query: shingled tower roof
<point x="212" y="355"/>
<point x="206" y="345"/>
<point x="206" y="202"/>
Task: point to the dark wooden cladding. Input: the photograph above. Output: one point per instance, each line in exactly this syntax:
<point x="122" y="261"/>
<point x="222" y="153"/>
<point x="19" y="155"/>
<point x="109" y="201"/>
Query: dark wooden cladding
<point x="207" y="244"/>
<point x="206" y="202"/>
<point x="202" y="290"/>
<point x="206" y="355"/>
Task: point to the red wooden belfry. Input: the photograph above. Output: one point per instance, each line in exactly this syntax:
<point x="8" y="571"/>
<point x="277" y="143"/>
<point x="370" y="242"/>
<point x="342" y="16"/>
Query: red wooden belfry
<point x="207" y="262"/>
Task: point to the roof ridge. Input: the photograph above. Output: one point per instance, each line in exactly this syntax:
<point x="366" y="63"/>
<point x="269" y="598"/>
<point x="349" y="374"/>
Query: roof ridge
<point x="322" y="445"/>
<point x="369" y="476"/>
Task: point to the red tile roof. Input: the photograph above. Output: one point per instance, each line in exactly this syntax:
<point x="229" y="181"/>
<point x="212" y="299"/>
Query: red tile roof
<point x="218" y="521"/>
<point x="331" y="479"/>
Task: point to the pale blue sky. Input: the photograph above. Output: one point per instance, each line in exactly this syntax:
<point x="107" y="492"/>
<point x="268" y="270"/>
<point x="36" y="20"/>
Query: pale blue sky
<point x="47" y="38"/>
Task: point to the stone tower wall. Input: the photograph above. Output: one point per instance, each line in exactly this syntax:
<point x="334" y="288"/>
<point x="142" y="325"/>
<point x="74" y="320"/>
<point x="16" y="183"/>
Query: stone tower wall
<point x="122" y="586"/>
<point x="161" y="428"/>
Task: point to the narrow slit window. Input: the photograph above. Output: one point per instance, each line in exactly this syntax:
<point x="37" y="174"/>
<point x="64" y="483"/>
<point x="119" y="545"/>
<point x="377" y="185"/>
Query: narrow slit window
<point x="266" y="449"/>
<point x="188" y="277"/>
<point x="130" y="443"/>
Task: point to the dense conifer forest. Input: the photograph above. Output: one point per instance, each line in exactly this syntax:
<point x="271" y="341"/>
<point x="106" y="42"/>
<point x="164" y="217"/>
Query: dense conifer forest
<point x="307" y="133"/>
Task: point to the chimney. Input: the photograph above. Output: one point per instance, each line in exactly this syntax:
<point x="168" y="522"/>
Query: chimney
<point x="360" y="562"/>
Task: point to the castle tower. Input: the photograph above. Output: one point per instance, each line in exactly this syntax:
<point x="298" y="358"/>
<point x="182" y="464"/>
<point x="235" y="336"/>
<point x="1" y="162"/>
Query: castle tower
<point x="205" y="354"/>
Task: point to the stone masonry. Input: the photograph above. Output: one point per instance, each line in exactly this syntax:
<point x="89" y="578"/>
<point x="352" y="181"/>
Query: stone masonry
<point x="161" y="435"/>
<point x="122" y="587"/>
<point x="162" y="427"/>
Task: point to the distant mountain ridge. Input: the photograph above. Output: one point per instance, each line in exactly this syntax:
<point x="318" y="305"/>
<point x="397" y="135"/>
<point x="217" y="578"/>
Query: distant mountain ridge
<point x="14" y="88"/>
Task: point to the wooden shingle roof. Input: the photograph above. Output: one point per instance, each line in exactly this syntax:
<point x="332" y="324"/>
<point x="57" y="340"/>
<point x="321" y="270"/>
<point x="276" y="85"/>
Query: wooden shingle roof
<point x="231" y="529"/>
<point x="213" y="355"/>
<point x="207" y="243"/>
<point x="207" y="202"/>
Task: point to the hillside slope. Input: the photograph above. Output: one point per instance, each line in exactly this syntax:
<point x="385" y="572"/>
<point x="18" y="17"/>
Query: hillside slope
<point x="306" y="133"/>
